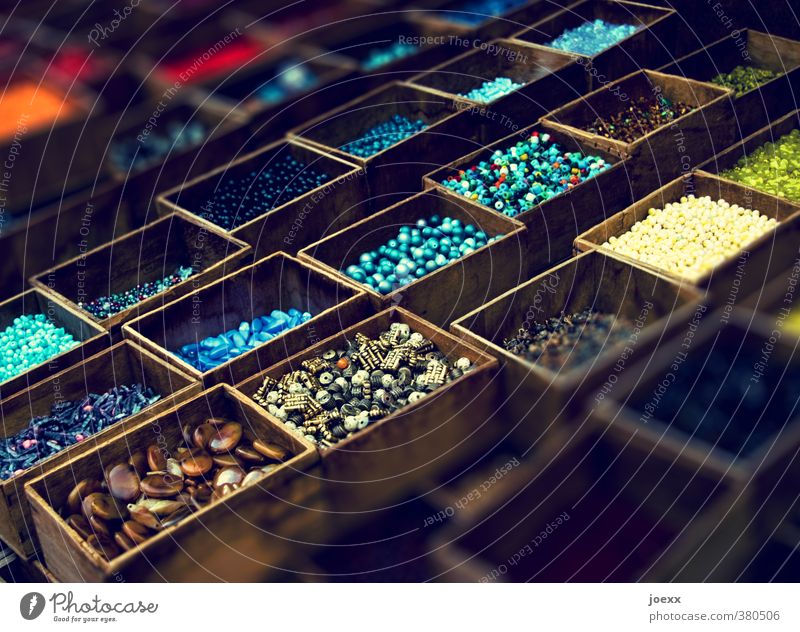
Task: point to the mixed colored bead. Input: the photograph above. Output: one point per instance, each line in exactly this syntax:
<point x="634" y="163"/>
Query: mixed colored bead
<point x="383" y="136"/>
<point x="416" y="251"/>
<point x="210" y="352"/>
<point x="692" y="236"/>
<point x="473" y="12"/>
<point x="520" y="177"/>
<point x="106" y="306"/>
<point x="568" y="341"/>
<point x="592" y="38"/>
<point x="492" y="90"/>
<point x="745" y="78"/>
<point x="342" y="390"/>
<point x="645" y="114"/>
<point x="292" y="77"/>
<point x="131" y="155"/>
<point x="239" y="199"/>
<point x="30" y="340"/>
<point x="68" y="423"/>
<point x="377" y="57"/>
<point x="773" y="168"/>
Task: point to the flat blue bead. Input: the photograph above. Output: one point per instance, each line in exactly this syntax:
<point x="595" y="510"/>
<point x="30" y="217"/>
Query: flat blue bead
<point x="264" y="336"/>
<point x="244" y="328"/>
<point x="238" y="339"/>
<point x="220" y="352"/>
<point x="256" y="325"/>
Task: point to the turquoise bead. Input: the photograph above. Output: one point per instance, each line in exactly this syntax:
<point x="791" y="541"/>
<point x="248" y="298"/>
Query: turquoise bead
<point x="384" y="135"/>
<point x="28" y="341"/>
<point x="592" y="38"/>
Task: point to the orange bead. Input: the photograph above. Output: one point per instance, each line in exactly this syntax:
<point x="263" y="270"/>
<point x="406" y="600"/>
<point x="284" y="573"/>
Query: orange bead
<point x="28" y="106"/>
<point x="343" y="363"/>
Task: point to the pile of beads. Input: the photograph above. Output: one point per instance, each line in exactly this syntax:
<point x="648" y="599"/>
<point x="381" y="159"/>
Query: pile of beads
<point x="70" y="422"/>
<point x="292" y="77"/>
<point x="473" y="12"/>
<point x="517" y="178"/>
<point x="378" y="57"/>
<point x="383" y="136"/>
<point x="690" y="237"/>
<point x="492" y="90"/>
<point x="773" y="167"/>
<point x="718" y="396"/>
<point x="186" y="68"/>
<point x="215" y="350"/>
<point x="154" y="489"/>
<point x="131" y="155"/>
<point x="592" y="38"/>
<point x="30" y="105"/>
<point x="343" y="390"/>
<point x="28" y="341"/>
<point x="645" y="114"/>
<point x="239" y="199"/>
<point x="745" y="78"/>
<point x="417" y="251"/>
<point x="571" y="340"/>
<point x="106" y="306"/>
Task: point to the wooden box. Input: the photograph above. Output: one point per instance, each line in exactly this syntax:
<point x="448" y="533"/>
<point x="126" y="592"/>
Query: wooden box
<point x="90" y="337"/>
<point x="293" y="224"/>
<point x="410" y="447"/>
<point x="399" y="168"/>
<point x="121" y="365"/>
<point x="723" y="277"/>
<point x="757" y="107"/>
<point x="277" y="282"/>
<point x="602" y="510"/>
<point x="143" y="256"/>
<point x="550" y="79"/>
<point x="547" y="402"/>
<point x="238" y="538"/>
<point x="690" y="452"/>
<point x="554" y="224"/>
<point x="673" y="149"/>
<point x="650" y="46"/>
<point x="464" y="284"/>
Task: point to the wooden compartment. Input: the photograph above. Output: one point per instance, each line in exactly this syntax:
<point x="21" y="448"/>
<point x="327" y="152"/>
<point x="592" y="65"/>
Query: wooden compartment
<point x="673" y="149"/>
<point x="448" y="16"/>
<point x="651" y="45"/>
<point x="699" y="183"/>
<point x="602" y="510"/>
<point x="399" y="168"/>
<point x="554" y="224"/>
<point x="143" y="256"/>
<point x="757" y="107"/>
<point x="550" y="79"/>
<point x="410" y="447"/>
<point x="90" y="337"/>
<point x="464" y="283"/>
<point x="276" y="282"/>
<point x="123" y="364"/>
<point x="294" y="223"/>
<point x="237" y="538"/>
<point x="547" y="403"/>
<point x="715" y="333"/>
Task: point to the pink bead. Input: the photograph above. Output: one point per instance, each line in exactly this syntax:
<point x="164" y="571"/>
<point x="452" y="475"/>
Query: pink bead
<point x="26" y="444"/>
<point x="79" y="437"/>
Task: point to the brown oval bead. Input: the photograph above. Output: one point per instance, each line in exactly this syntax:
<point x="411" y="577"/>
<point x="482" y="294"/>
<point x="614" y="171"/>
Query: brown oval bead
<point x="123" y="541"/>
<point x="145" y="517"/>
<point x="197" y="465"/>
<point x="202" y="435"/>
<point x="136" y="531"/>
<point x="123" y="482"/>
<point x="177" y="516"/>
<point x="222" y="491"/>
<point x="160" y="506"/>
<point x="80" y="524"/>
<point x="80" y="491"/>
<point x="103" y="506"/>
<point x="232" y="475"/>
<point x="250" y="455"/>
<point x="138" y="460"/>
<point x="161" y="485"/>
<point x="156" y="459"/>
<point x="226" y="460"/>
<point x="186" y="432"/>
<point x="201" y="495"/>
<point x="100" y="527"/>
<point x="104" y="546"/>
<point x="226" y="438"/>
<point x="270" y="450"/>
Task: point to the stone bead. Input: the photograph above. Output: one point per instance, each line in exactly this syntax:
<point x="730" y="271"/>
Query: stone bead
<point x="773" y="167"/>
<point x="692" y="236"/>
<point x="592" y="38"/>
<point x="216" y="350"/>
<point x="745" y="78"/>
<point x="492" y="90"/>
<point x="515" y="179"/>
<point x="30" y="340"/>
<point x="384" y="135"/>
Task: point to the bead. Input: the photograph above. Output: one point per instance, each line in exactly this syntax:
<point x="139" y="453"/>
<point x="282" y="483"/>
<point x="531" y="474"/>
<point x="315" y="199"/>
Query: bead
<point x="30" y="340"/>
<point x="745" y="78"/>
<point x="772" y="167"/>
<point x="381" y="56"/>
<point x="644" y="115"/>
<point x="383" y="136"/>
<point x="131" y="154"/>
<point x="591" y="38"/>
<point x="474" y="12"/>
<point x="492" y="90"/>
<point x="289" y="78"/>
